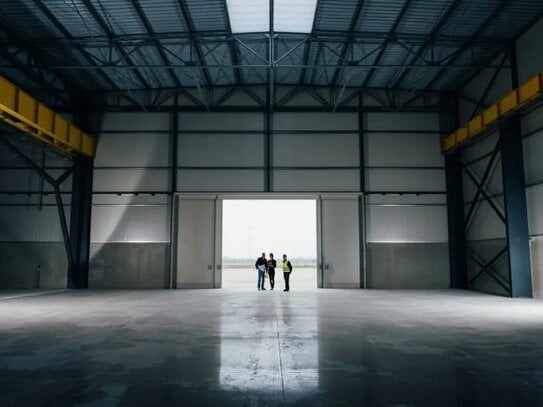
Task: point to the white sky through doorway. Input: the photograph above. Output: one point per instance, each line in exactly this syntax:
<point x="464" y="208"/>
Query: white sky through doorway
<point x="251" y="227"/>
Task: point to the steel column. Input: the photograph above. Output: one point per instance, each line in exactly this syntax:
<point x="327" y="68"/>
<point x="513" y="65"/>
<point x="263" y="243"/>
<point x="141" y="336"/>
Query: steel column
<point x="515" y="208"/>
<point x="80" y="222"/>
<point x="173" y="197"/>
<point x="362" y="197"/>
<point x="268" y="150"/>
<point x="456" y="223"/>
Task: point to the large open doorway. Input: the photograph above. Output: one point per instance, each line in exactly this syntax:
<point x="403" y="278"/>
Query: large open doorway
<point x="251" y="227"/>
<point x="322" y="232"/>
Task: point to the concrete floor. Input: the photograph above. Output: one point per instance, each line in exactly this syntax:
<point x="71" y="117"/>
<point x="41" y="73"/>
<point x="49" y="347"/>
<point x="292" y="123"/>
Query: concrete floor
<point x="221" y="348"/>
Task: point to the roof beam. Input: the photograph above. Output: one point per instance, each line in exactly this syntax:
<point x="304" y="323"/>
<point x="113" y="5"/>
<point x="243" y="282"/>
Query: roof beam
<point x="391" y="33"/>
<point x="221" y="36"/>
<point x="466" y="44"/>
<point x="45" y="10"/>
<point x="349" y="42"/>
<point x="307" y="46"/>
<point x="110" y="35"/>
<point x="14" y="37"/>
<point x="233" y="49"/>
<point x="199" y="53"/>
<point x="433" y="35"/>
<point x="147" y="24"/>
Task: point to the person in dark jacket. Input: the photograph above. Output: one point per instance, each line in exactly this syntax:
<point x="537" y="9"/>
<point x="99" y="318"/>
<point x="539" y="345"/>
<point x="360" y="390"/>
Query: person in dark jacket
<point x="272" y="264"/>
<point x="260" y="265"/>
<point x="287" y="269"/>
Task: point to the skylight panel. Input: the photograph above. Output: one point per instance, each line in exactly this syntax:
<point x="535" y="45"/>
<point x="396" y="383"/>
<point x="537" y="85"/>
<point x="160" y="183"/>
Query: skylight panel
<point x="294" y="15"/>
<point x="249" y="15"/>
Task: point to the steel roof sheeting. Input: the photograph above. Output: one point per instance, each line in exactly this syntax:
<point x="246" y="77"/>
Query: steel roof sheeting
<point x="395" y="40"/>
<point x="379" y="16"/>
<point x="334" y="15"/>
<point x="423" y="15"/>
<point x="120" y="16"/>
<point x="164" y="15"/>
<point x="513" y="18"/>
<point x="28" y="19"/>
<point x="208" y="15"/>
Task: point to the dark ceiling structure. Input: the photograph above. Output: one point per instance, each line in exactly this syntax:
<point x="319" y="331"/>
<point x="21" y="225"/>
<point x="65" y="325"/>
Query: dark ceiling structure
<point x="129" y="45"/>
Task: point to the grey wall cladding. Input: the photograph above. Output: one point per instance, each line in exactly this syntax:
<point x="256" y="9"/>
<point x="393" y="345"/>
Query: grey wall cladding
<point x="486" y="250"/>
<point x="408" y="265"/>
<point x="19" y="263"/>
<point x="129" y="265"/>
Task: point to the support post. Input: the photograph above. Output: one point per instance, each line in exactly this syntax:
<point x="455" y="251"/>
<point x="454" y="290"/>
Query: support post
<point x="362" y="197"/>
<point x="515" y="208"/>
<point x="172" y="280"/>
<point x="268" y="149"/>
<point x="456" y="223"/>
<point x="80" y="221"/>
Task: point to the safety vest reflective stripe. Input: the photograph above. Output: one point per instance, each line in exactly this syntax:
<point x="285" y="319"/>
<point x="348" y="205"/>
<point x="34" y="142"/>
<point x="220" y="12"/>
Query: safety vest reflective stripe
<point x="285" y="267"/>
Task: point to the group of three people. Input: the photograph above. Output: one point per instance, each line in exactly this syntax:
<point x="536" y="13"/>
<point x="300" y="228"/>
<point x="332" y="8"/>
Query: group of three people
<point x="263" y="265"/>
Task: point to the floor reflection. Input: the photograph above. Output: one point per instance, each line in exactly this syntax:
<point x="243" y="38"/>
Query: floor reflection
<point x="271" y="347"/>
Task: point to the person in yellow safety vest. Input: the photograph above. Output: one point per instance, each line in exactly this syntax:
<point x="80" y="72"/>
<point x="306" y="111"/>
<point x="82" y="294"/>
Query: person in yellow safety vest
<point x="287" y="269"/>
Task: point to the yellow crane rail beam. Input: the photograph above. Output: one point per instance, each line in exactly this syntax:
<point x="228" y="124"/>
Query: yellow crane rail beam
<point x="511" y="103"/>
<point x="22" y="111"/>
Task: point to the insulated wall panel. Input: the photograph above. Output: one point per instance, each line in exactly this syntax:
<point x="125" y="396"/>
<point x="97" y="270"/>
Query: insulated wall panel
<point x="138" y="149"/>
<point x="405" y="122"/>
<point x="28" y="224"/>
<point x="221" y="150"/>
<point x="533" y="164"/>
<point x="221" y="121"/>
<point x="133" y="121"/>
<point x="409" y="224"/>
<point x="534" y="197"/>
<point x="133" y="224"/>
<point x="221" y="180"/>
<point x="410" y="150"/>
<point x="315" y="150"/>
<point x="405" y="180"/>
<point x="316" y="180"/>
<point x="529" y="55"/>
<point x="117" y="180"/>
<point x="315" y="121"/>
<point x="485" y="224"/>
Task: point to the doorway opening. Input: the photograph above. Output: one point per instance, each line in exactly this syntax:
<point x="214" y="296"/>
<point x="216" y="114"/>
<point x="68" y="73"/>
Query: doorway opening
<point x="252" y="227"/>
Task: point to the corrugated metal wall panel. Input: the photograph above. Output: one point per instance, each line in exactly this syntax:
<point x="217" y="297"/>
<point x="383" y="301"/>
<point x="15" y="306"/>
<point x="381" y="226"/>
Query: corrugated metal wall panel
<point x="393" y="149"/>
<point x="220" y="180"/>
<point x="413" y="224"/>
<point x="405" y="180"/>
<point x="315" y="121"/>
<point x="119" y="122"/>
<point x="221" y="121"/>
<point x="316" y="180"/>
<point x="315" y="150"/>
<point x="402" y="122"/>
<point x="221" y="150"/>
<point x="19" y="224"/>
<point x="141" y="150"/>
<point x="131" y="180"/>
<point x="130" y="224"/>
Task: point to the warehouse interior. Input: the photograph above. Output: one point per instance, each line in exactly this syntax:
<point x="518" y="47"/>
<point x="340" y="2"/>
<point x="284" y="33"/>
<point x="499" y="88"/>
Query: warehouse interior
<point x="415" y="126"/>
